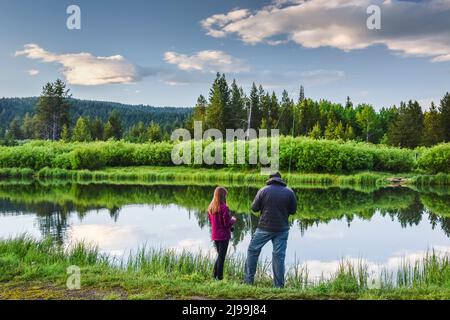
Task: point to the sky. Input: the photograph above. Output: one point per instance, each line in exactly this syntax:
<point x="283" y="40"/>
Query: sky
<point x="166" y="53"/>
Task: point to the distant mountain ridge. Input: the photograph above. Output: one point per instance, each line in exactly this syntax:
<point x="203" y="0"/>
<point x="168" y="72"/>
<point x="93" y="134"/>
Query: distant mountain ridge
<point x="167" y="117"/>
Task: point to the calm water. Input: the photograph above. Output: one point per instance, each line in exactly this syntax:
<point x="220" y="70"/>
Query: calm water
<point x="382" y="227"/>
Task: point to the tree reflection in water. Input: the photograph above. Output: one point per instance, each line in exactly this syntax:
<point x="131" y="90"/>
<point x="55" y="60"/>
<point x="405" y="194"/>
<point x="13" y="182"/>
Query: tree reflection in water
<point x="54" y="205"/>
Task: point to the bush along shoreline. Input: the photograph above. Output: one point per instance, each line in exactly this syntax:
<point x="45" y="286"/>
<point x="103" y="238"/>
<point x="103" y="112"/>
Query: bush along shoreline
<point x="312" y="161"/>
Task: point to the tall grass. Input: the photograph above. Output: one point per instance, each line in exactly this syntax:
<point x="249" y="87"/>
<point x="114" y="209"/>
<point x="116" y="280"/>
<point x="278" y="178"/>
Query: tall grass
<point x="148" y="175"/>
<point x="432" y="270"/>
<point x="39" y="260"/>
<point x="189" y="176"/>
<point x="422" y="180"/>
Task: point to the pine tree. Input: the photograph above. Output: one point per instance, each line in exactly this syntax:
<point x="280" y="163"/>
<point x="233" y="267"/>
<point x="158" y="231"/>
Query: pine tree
<point x="37" y="127"/>
<point x="96" y="127"/>
<point x="154" y="133"/>
<point x="81" y="132"/>
<point x="52" y="109"/>
<point x="28" y="127"/>
<point x="65" y="135"/>
<point x="339" y="132"/>
<point x="308" y="115"/>
<point x="407" y="129"/>
<point x="113" y="127"/>
<point x="349" y="133"/>
<point x="302" y="94"/>
<point x="445" y="116"/>
<point x="274" y="111"/>
<point x="286" y="114"/>
<point x="237" y="107"/>
<point x="386" y="117"/>
<point x="15" y="130"/>
<point x="330" y="129"/>
<point x="198" y="114"/>
<point x="218" y="112"/>
<point x="265" y="108"/>
<point x="263" y="124"/>
<point x="254" y="108"/>
<point x="348" y="103"/>
<point x="137" y="133"/>
<point x="108" y="131"/>
<point x="432" y="131"/>
<point x="200" y="109"/>
<point x="316" y="132"/>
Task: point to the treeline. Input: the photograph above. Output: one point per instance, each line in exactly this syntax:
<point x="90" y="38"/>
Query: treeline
<point x="87" y="129"/>
<point x="55" y="115"/>
<point x="20" y="117"/>
<point x="229" y="107"/>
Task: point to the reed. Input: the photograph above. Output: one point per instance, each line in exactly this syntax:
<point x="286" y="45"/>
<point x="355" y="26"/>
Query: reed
<point x="23" y="258"/>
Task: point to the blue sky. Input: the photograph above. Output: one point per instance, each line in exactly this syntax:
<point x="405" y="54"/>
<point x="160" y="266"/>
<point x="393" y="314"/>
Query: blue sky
<point x="166" y="53"/>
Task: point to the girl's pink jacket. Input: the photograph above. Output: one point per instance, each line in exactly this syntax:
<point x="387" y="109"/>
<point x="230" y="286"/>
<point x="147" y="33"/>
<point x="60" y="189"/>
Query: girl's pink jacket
<point x="221" y="224"/>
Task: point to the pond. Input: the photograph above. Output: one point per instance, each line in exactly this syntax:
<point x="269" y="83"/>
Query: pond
<point x="380" y="227"/>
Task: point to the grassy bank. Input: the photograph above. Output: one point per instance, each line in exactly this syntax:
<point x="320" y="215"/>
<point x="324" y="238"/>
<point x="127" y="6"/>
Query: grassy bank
<point x="37" y="270"/>
<point x="186" y="175"/>
<point x="227" y="176"/>
<point x="321" y="162"/>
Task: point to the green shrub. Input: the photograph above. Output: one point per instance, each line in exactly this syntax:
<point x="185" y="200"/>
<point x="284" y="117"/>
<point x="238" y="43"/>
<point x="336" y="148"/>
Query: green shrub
<point x="435" y="159"/>
<point x="62" y="161"/>
<point x="298" y="154"/>
<point x="87" y="158"/>
<point x="338" y="156"/>
<point x="117" y="154"/>
<point x="156" y="154"/>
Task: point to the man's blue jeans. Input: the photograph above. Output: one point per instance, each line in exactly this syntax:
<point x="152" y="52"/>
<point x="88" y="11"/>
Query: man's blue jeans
<point x="259" y="239"/>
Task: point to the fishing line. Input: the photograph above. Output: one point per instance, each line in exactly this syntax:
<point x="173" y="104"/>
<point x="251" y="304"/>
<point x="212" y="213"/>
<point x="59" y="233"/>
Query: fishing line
<point x="292" y="133"/>
<point x="291" y="151"/>
<point x="292" y="142"/>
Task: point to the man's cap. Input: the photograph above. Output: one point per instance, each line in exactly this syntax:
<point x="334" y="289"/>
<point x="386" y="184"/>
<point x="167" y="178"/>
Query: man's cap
<point x="276" y="178"/>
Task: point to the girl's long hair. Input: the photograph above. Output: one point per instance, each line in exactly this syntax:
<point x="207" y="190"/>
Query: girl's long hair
<point x="220" y="197"/>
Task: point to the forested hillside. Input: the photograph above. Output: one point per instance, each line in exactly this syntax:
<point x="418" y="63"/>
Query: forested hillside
<point x="167" y="117"/>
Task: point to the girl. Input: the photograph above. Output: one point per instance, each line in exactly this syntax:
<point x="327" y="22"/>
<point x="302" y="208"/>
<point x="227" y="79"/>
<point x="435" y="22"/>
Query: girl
<point x="221" y="224"/>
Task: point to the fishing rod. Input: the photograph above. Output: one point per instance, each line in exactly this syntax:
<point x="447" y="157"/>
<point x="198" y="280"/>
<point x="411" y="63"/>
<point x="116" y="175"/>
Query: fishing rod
<point x="292" y="142"/>
<point x="276" y="127"/>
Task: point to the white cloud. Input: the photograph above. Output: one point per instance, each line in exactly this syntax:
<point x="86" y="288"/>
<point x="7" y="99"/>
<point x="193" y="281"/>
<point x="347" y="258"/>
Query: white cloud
<point x="110" y="239"/>
<point x="86" y="69"/>
<point x="206" y="61"/>
<point x="420" y="29"/>
<point x="33" y="72"/>
<point x="221" y="20"/>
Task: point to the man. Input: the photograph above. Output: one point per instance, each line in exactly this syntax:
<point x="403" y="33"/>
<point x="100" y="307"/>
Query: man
<point x="276" y="202"/>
